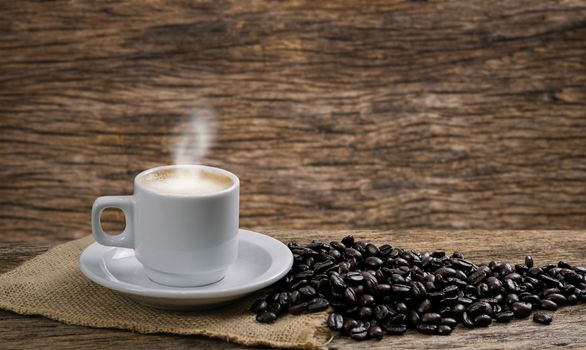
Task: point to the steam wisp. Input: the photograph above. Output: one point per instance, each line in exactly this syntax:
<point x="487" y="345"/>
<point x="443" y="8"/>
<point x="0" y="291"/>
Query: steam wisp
<point x="197" y="137"/>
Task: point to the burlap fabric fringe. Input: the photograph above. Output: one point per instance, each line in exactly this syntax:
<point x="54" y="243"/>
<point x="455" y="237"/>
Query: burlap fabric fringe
<point x="52" y="285"/>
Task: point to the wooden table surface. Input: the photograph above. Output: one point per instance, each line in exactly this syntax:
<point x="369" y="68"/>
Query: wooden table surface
<point x="567" y="329"/>
<point x="335" y="114"/>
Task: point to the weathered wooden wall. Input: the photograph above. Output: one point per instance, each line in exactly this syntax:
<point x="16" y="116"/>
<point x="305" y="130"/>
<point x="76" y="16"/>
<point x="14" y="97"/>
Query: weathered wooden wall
<point x="352" y="114"/>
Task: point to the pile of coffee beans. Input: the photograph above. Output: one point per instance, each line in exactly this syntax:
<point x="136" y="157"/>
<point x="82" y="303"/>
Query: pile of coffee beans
<point x="377" y="290"/>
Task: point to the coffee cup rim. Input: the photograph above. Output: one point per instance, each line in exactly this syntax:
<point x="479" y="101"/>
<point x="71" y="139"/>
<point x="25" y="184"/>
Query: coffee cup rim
<point x="233" y="177"/>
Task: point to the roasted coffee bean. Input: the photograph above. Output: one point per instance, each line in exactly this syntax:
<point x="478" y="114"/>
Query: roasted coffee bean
<point x="458" y="309"/>
<point x="557" y="298"/>
<point x="446" y="272"/>
<point x="461" y="264"/>
<point x="546" y="304"/>
<point x="480" y="308"/>
<point x="350" y="295"/>
<point x="491" y="301"/>
<point x="284" y="299"/>
<point x="349" y="324"/>
<point x="413" y="318"/>
<point x="431" y="317"/>
<point x="276" y="308"/>
<point x="494" y="284"/>
<point x="438" y="253"/>
<point x="477" y="277"/>
<point x="521" y="269"/>
<point x="550" y="281"/>
<point x="543" y="318"/>
<point x="383" y="289"/>
<point x="511" y="286"/>
<point x="506" y="269"/>
<point x="366" y="299"/>
<point x="394" y="329"/>
<point x="521" y="309"/>
<point x="266" y="317"/>
<point x="427" y="328"/>
<point x="429" y="286"/>
<point x="572" y="299"/>
<point x="451" y="290"/>
<point x="504" y="316"/>
<point x="400" y="288"/>
<point x="353" y="253"/>
<point x="369" y="275"/>
<point x="381" y="312"/>
<point x="371" y="286"/>
<point x="317" y="304"/>
<point x="348" y="241"/>
<point x="482" y="320"/>
<point x="316" y="244"/>
<point x="448" y="321"/>
<point x="360" y="327"/>
<point x="337" y="245"/>
<point x="535" y="271"/>
<point x="529" y="261"/>
<point x="358" y="289"/>
<point x="513" y="276"/>
<point x="424" y="306"/>
<point x="397" y="279"/>
<point x="573" y="278"/>
<point x="335" y="321"/>
<point x="372" y="250"/>
<point x="304" y="274"/>
<point x="444" y="330"/>
<point x="467" y="321"/>
<point x="483" y="289"/>
<point x="337" y="282"/>
<point x="299" y="284"/>
<point x="401" y="308"/>
<point x="385" y="249"/>
<point x="259" y="306"/>
<point x="375" y="332"/>
<point x="512" y="298"/>
<point x="364" y="312"/>
<point x="465" y="301"/>
<point x="531" y="298"/>
<point x="298" y="309"/>
<point x="322" y="266"/>
<point x="401" y="262"/>
<point x="307" y="292"/>
<point x="355" y="278"/>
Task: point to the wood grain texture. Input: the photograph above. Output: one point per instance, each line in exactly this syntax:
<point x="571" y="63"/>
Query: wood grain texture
<point x="362" y="114"/>
<point x="566" y="331"/>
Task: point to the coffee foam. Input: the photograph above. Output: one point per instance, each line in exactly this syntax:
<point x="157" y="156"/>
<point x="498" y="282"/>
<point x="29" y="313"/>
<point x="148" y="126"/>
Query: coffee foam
<point x="185" y="181"/>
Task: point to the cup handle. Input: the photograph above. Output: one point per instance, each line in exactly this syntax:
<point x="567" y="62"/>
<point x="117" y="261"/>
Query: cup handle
<point x="124" y="203"/>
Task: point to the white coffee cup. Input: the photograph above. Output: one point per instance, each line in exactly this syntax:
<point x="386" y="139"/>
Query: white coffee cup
<point x="181" y="239"/>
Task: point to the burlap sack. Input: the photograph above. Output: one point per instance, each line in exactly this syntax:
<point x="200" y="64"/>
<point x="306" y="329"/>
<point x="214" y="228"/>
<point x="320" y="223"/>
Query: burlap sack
<point x="52" y="285"/>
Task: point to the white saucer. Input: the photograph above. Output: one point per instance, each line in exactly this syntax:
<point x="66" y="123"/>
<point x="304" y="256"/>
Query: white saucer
<point x="262" y="261"/>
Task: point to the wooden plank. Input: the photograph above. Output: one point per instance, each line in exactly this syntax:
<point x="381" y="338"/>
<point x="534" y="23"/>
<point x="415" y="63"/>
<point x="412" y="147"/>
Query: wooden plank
<point x="377" y="114"/>
<point x="545" y="246"/>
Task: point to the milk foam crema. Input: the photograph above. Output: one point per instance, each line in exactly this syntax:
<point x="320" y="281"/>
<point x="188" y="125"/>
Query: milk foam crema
<point x="185" y="181"/>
